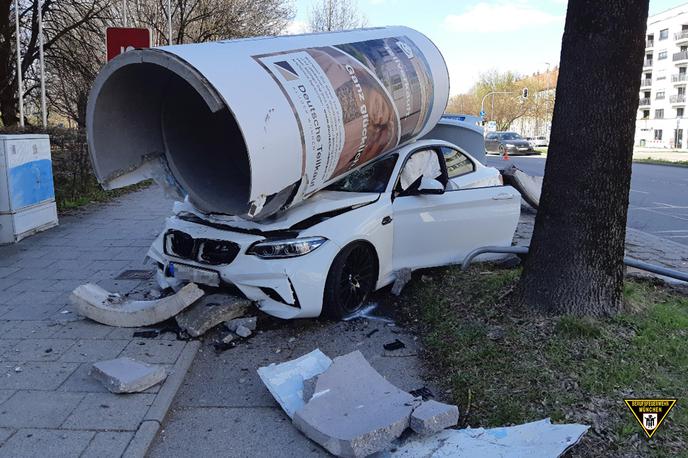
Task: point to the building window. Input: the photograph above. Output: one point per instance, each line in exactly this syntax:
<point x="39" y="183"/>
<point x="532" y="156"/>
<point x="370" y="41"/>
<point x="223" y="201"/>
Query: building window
<point x="660" y="95"/>
<point x="679" y="112"/>
<point x="662" y="55"/>
<point x="646" y="114"/>
<point x="658" y="134"/>
<point x="660" y="78"/>
<point x="659" y="114"/>
<point x="663" y="35"/>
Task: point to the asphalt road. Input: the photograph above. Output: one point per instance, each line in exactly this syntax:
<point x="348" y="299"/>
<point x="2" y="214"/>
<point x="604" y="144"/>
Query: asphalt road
<point x="658" y="200"/>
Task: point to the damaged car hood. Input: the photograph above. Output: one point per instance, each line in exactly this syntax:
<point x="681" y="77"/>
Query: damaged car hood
<point x="319" y="207"/>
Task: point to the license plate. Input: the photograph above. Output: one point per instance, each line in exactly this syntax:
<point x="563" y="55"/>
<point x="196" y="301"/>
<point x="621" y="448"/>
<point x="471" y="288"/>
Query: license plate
<point x="194" y="274"/>
<point x="522" y="149"/>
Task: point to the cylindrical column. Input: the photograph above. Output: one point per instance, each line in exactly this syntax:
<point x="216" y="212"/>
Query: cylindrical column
<point x="250" y="127"/>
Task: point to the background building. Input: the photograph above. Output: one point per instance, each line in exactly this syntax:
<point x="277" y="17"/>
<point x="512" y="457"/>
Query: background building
<point x="661" y="122"/>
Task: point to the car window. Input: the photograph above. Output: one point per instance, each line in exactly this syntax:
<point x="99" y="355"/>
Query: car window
<point x="369" y="178"/>
<point x="424" y="163"/>
<point x="457" y="163"/>
<point x="511" y="136"/>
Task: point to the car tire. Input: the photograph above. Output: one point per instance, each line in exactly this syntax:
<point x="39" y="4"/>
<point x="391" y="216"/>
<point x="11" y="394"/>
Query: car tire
<point x="351" y="278"/>
<point x="501" y="150"/>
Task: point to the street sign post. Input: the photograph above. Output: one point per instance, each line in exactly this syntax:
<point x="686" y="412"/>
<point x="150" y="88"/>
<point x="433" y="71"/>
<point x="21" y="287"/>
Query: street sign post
<point x="122" y="39"/>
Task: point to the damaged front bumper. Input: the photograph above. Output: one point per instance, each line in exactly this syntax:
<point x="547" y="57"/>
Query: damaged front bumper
<point x="286" y="287"/>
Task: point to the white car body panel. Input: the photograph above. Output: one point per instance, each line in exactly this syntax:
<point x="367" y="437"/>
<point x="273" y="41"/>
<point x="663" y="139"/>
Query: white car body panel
<point x="414" y="231"/>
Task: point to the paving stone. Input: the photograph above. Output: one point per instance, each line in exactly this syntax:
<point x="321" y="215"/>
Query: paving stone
<point x="38" y="350"/>
<point x="108" y="411"/>
<point x="5" y="433"/>
<point x="38" y="409"/>
<point x="211" y="310"/>
<point x="30" y="443"/>
<point x="6" y="394"/>
<point x="126" y="375"/>
<point x="82" y="382"/>
<point x="154" y="351"/>
<point x="36" y="329"/>
<point x="81" y="329"/>
<point x="7" y="271"/>
<point x="94" y="350"/>
<point x="34" y="312"/>
<point x="106" y="444"/>
<point x="35" y="375"/>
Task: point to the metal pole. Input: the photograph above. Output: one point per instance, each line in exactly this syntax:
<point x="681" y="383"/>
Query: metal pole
<point x="19" y="68"/>
<point x="44" y="113"/>
<point x="169" y="22"/>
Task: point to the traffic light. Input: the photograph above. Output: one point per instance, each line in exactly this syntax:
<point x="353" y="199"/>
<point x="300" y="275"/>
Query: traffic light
<point x="524" y="94"/>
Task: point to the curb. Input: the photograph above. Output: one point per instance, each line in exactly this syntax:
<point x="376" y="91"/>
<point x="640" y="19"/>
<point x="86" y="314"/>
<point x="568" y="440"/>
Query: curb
<point x="150" y="425"/>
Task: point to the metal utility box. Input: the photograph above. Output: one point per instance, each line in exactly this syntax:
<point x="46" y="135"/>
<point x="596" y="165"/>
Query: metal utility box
<point x="27" y="192"/>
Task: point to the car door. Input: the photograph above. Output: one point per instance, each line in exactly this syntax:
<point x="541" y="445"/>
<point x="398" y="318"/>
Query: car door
<point x="438" y="229"/>
<point x="490" y="142"/>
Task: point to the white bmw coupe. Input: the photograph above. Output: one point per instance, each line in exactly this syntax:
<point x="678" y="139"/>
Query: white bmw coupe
<point x="425" y="204"/>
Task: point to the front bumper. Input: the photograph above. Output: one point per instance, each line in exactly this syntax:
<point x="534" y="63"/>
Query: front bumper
<point x="286" y="288"/>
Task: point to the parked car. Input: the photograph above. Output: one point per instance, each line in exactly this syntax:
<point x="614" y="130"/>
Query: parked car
<point x="425" y="204"/>
<point x="507" y="142"/>
<point x="538" y="142"/>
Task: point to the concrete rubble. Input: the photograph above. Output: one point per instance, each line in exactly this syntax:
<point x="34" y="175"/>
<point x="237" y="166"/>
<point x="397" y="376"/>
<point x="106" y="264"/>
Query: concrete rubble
<point x="529" y="186"/>
<point x="99" y="305"/>
<point x="285" y="380"/>
<point x="243" y="331"/>
<point x="403" y="276"/>
<point x="354" y="411"/>
<point x="538" y="439"/>
<point x="432" y="417"/>
<point x="126" y="375"/>
<point x="249" y="323"/>
<point x="212" y="310"/>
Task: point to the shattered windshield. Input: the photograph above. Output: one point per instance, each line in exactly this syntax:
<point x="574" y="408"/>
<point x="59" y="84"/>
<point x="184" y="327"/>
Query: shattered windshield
<point x="370" y="178"/>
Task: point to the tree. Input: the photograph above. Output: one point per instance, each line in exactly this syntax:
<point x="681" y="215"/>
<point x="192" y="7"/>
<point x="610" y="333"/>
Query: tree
<point x="576" y="255"/>
<point x="331" y="15"/>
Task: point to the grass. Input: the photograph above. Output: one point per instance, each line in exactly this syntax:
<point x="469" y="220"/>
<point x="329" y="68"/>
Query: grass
<point x="662" y="162"/>
<point x="94" y="194"/>
<point x="504" y="365"/>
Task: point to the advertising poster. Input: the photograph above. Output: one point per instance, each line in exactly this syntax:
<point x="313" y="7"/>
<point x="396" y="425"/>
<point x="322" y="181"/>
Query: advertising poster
<point x="352" y="102"/>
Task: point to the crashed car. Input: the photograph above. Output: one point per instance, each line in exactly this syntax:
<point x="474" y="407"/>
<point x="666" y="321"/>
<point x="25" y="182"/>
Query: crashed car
<point x="422" y="205"/>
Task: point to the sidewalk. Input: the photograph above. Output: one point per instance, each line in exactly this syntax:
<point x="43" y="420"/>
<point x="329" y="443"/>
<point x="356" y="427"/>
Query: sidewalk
<point x="49" y="404"/>
<point x="660" y="154"/>
<point x="639" y="245"/>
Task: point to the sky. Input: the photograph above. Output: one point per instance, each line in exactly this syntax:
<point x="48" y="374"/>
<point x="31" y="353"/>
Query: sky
<point x="477" y="35"/>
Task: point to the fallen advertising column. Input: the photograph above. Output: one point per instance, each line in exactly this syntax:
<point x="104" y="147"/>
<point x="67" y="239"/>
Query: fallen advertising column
<point x="250" y="127"/>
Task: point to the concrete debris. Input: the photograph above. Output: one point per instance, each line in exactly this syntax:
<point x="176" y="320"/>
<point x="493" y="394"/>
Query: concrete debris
<point x="126" y="375"/>
<point x="539" y="439"/>
<point x="432" y="417"/>
<point x="395" y="345"/>
<point x="285" y="380"/>
<point x="309" y="388"/>
<point x="228" y="338"/>
<point x="354" y="411"/>
<point x="529" y="186"/>
<point x="211" y="311"/>
<point x="403" y="276"/>
<point x="243" y="331"/>
<point x="247" y="322"/>
<point x="95" y="303"/>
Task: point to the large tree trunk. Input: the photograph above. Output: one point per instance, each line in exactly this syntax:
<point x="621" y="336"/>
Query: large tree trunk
<point x="8" y="83"/>
<point x="576" y="255"/>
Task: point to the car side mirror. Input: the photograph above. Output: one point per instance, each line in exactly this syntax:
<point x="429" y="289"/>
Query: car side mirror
<point x="430" y="186"/>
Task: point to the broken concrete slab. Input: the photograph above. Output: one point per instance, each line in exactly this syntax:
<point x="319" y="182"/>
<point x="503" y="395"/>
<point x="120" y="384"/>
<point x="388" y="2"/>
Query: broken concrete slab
<point x="126" y="375"/>
<point x="403" y="276"/>
<point x="539" y="439"/>
<point x="249" y="323"/>
<point x="285" y="380"/>
<point x="529" y="186"/>
<point x="432" y="417"/>
<point x="212" y="310"/>
<point x="354" y="411"/>
<point x="100" y="305"/>
<point x="243" y="331"/>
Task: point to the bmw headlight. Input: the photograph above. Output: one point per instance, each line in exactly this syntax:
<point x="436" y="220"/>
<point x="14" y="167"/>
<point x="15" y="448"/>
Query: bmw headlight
<point x="271" y="249"/>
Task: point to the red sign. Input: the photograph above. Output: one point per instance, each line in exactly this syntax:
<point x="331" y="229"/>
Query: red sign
<point x="122" y="39"/>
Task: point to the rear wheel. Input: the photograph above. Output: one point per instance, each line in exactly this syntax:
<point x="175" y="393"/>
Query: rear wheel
<point x="351" y="279"/>
<point x="501" y="150"/>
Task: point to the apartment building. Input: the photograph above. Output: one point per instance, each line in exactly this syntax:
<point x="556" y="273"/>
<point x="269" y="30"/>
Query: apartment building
<point x="661" y="121"/>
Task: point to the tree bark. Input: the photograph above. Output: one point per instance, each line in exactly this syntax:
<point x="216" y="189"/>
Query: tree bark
<point x="575" y="264"/>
